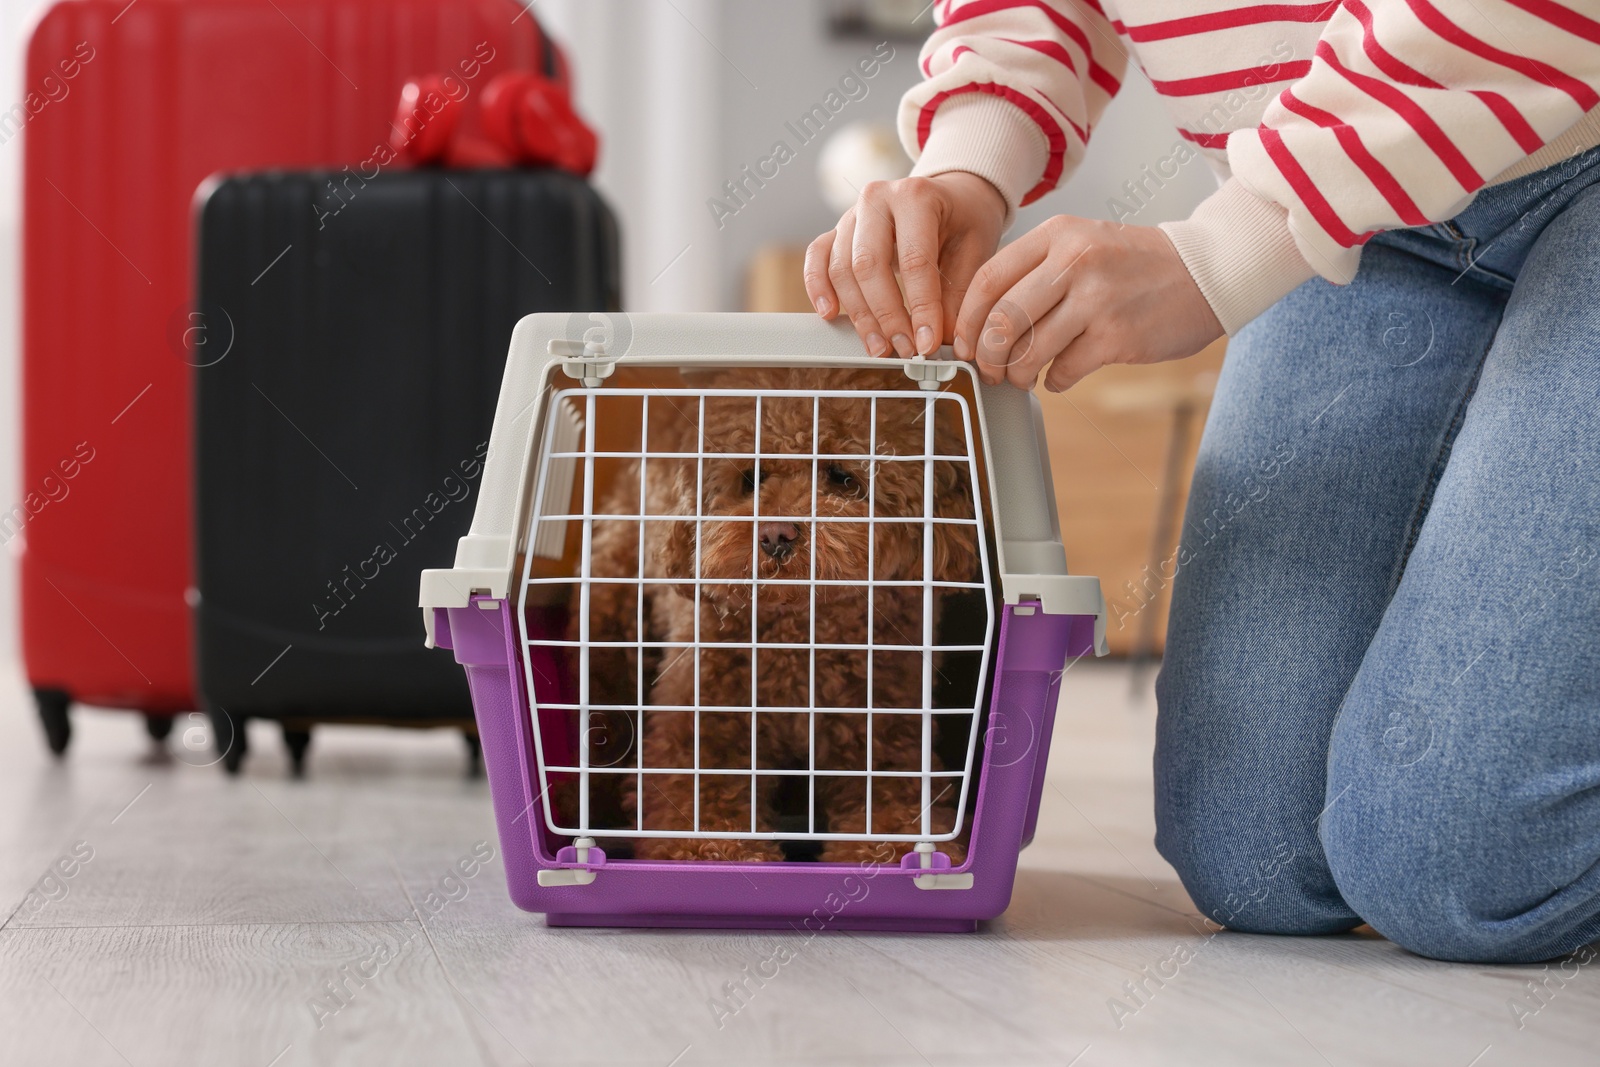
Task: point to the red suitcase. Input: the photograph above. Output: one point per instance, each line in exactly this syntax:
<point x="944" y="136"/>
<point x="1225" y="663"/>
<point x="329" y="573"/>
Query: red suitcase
<point x="130" y="108"/>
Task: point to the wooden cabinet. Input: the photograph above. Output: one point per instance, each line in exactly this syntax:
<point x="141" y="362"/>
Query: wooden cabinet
<point x="1122" y="447"/>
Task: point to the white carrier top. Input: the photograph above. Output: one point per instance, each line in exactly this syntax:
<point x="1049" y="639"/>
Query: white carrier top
<point x="550" y="352"/>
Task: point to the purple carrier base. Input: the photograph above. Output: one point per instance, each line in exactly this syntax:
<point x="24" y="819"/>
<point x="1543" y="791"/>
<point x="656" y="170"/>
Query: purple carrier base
<point x="806" y="897"/>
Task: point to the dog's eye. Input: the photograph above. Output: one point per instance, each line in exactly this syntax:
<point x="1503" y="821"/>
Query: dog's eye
<point x="842" y="479"/>
<point x="749" y="479"/>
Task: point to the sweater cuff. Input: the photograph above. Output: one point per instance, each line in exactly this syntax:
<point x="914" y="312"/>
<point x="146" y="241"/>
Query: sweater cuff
<point x="1241" y="253"/>
<point x="984" y="135"/>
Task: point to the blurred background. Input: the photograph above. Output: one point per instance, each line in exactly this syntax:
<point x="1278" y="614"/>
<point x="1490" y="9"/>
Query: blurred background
<point x="686" y="93"/>
<point x="228" y="919"/>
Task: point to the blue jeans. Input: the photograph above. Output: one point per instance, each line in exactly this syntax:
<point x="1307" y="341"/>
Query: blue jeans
<point x="1380" y="700"/>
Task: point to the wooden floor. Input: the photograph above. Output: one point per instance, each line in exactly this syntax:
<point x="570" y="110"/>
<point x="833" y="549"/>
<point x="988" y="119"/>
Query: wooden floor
<point x="204" y="920"/>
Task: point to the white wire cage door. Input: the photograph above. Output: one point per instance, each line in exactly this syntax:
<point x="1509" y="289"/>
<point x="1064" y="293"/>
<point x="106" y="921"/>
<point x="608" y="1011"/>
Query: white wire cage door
<point x="778" y="618"/>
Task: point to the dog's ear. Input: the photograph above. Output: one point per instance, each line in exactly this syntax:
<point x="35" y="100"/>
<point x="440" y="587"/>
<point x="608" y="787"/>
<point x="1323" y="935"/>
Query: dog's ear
<point x="672" y="554"/>
<point x="955" y="553"/>
<point x="955" y="546"/>
<point x="676" y="556"/>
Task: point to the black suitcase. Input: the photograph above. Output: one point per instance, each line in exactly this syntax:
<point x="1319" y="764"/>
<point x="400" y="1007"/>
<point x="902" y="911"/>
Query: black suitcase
<point x="349" y="336"/>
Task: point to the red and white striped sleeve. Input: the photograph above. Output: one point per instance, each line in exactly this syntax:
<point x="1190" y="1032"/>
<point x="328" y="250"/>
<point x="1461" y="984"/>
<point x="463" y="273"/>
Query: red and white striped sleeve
<point x="1012" y="89"/>
<point x="1408" y="109"/>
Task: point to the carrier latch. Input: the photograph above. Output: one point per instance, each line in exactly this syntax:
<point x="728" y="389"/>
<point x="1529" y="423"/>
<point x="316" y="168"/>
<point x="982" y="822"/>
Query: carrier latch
<point x="927" y="857"/>
<point x="585" y="361"/>
<point x="928" y="375"/>
<point x="578" y="852"/>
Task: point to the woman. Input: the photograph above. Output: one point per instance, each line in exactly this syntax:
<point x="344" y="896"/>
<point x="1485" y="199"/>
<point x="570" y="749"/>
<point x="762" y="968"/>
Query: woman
<point x="1381" y="694"/>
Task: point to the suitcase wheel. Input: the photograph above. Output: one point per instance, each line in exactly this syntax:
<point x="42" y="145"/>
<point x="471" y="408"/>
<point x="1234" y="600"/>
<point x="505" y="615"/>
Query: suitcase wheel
<point x="231" y="738"/>
<point x="474" y="754"/>
<point x="53" y="705"/>
<point x="159" y="727"/>
<point x="297" y="740"/>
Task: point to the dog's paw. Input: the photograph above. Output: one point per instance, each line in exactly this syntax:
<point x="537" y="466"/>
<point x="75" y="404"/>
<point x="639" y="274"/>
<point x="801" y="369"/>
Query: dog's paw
<point x="879" y="853"/>
<point x="715" y="851"/>
<point x="886" y="853"/>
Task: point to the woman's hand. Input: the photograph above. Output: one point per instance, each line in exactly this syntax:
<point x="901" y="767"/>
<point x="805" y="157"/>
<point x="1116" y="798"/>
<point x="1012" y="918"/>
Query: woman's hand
<point x="938" y="231"/>
<point x="1074" y="295"/>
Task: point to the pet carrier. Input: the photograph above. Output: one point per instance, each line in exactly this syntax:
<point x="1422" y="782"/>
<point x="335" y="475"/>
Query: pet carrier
<point x="760" y="631"/>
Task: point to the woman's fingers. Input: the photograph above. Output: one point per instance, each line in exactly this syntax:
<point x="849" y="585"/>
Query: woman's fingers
<point x="999" y="309"/>
<point x="1055" y="332"/>
<point x="918" y="218"/>
<point x="1016" y="290"/>
<point x="852" y="302"/>
<point x="1014" y="346"/>
<point x="818" y="288"/>
<point x="961" y="260"/>
<point x="1082" y="357"/>
<point x="936" y="232"/>
<point x="1071" y="295"/>
<point x="872" y="260"/>
<point x="992" y="281"/>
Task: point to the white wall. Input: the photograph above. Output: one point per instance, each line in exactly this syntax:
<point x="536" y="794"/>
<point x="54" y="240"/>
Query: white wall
<point x="685" y="93"/>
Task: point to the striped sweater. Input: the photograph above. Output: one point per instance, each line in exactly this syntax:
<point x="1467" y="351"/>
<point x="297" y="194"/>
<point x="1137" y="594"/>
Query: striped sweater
<point x="1327" y="121"/>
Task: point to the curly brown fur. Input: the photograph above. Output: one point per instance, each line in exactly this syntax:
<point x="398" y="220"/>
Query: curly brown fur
<point x="797" y="614"/>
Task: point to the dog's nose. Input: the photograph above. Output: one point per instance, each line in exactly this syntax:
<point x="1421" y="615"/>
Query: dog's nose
<point x="778" y="539"/>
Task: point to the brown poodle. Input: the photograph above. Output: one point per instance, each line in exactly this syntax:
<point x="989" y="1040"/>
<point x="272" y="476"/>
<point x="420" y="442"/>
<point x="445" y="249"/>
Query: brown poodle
<point x="780" y="545"/>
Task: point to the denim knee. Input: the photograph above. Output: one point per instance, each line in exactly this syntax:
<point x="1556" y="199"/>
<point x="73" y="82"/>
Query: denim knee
<point x="1455" y="886"/>
<point x="1244" y="872"/>
<point x="1409" y="894"/>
